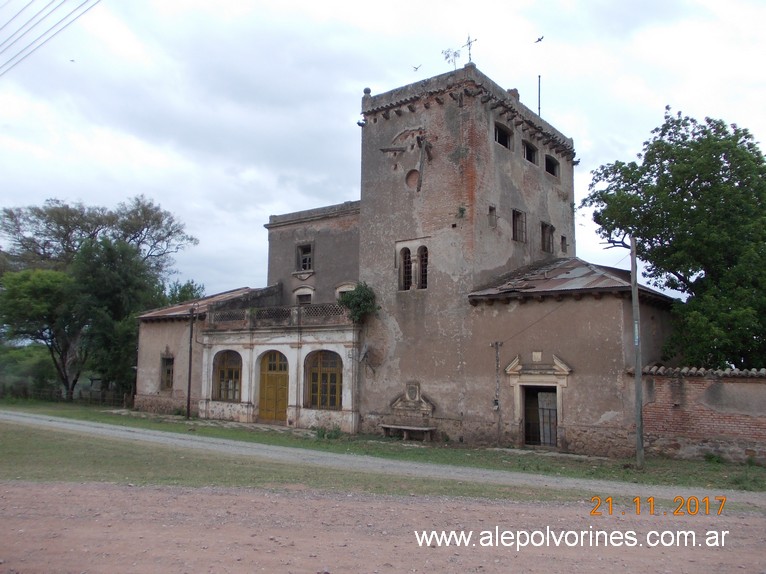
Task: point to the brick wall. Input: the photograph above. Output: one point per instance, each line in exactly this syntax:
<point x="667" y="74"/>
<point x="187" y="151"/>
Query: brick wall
<point x="689" y="417"/>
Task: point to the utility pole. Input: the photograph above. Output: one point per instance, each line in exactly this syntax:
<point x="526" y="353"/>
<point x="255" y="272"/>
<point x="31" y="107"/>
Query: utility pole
<point x="191" y="349"/>
<point x="638" y="383"/>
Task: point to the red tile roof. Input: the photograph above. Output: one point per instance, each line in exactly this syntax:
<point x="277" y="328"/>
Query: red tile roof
<point x="661" y="371"/>
<point x="201" y="306"/>
<point x="559" y="277"/>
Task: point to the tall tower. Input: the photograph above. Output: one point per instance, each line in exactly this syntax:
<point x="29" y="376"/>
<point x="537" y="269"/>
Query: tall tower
<point x="460" y="184"/>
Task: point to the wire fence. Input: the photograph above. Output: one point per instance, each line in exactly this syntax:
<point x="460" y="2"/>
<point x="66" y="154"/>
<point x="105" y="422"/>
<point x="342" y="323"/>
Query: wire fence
<point x="83" y="397"/>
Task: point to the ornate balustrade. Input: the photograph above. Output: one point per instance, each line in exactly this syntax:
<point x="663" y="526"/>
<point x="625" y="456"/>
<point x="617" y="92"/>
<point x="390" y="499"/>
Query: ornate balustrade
<point x="287" y="316"/>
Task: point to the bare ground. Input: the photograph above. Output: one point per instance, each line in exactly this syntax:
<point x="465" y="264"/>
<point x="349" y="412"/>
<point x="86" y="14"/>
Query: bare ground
<point x="112" y="528"/>
<point x="62" y="527"/>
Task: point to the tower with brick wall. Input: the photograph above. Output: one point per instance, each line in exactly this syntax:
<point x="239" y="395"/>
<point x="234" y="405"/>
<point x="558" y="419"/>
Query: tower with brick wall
<point x="460" y="184"/>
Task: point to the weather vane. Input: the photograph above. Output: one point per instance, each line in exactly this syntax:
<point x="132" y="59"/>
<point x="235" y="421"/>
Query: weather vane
<point x="452" y="55"/>
<point x="468" y="45"/>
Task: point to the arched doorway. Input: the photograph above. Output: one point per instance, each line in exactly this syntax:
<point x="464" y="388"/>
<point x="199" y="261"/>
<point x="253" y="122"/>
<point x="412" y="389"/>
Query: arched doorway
<point x="324" y="377"/>
<point x="227" y="377"/>
<point x="272" y="405"/>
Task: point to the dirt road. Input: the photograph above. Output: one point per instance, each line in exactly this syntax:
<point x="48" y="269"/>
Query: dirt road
<point x="64" y="527"/>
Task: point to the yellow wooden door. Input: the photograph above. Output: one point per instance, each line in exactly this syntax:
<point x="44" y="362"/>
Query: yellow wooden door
<point x="274" y="376"/>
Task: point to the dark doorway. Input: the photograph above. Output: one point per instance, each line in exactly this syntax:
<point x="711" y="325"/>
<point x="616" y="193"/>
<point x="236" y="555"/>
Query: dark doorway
<point x="540" y="416"/>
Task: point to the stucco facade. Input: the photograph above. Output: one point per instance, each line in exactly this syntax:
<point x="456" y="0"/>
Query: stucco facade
<point x="314" y="254"/>
<point x="282" y="354"/>
<point x="489" y="329"/>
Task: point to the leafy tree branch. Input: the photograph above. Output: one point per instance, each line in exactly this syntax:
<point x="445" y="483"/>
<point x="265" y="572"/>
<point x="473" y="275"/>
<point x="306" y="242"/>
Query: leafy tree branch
<point x="695" y="201"/>
<point x="360" y="302"/>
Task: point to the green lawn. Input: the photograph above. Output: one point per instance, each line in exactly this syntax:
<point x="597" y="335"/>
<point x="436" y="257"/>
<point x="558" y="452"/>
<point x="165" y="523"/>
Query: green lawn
<point x="708" y="474"/>
<point x="39" y="455"/>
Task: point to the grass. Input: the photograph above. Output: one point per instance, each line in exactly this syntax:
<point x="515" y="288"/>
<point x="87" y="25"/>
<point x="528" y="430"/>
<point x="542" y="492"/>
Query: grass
<point x="41" y="456"/>
<point x="710" y="473"/>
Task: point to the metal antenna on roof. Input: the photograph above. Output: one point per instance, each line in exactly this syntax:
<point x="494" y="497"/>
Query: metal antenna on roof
<point x="540" y="39"/>
<point x="538" y="96"/>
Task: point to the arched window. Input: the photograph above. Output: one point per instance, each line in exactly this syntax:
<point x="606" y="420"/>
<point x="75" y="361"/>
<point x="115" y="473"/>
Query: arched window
<point x="422" y="267"/>
<point x="304" y="295"/>
<point x="405" y="269"/>
<point x="227" y="375"/>
<point x="324" y="374"/>
<point x="546" y="233"/>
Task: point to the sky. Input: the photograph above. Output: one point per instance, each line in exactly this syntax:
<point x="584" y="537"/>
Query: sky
<point x="226" y="112"/>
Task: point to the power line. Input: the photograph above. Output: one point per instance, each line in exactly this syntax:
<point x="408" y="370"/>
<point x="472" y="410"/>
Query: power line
<point x="532" y="324"/>
<point x="25" y="24"/>
<point x="33" y="46"/>
<point x="15" y="15"/>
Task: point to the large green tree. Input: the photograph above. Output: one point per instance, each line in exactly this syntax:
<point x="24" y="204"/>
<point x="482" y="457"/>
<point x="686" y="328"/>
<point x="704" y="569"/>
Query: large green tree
<point x="114" y="284"/>
<point x="43" y="305"/>
<point x="49" y="236"/>
<point x="695" y="203"/>
<point x="77" y="276"/>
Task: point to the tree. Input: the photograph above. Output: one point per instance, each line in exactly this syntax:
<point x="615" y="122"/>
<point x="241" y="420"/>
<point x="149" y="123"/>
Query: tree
<point x="696" y="206"/>
<point x="50" y="236"/>
<point x="26" y="369"/>
<point x="153" y="231"/>
<point x="114" y="284"/>
<point x="178" y="292"/>
<point x="43" y="306"/>
<point x="82" y="275"/>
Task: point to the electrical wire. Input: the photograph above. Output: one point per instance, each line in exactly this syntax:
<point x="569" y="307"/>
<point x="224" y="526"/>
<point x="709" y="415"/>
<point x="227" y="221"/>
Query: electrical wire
<point x="20" y="56"/>
<point x="15" y="15"/>
<point x="32" y="27"/>
<point x="533" y="323"/>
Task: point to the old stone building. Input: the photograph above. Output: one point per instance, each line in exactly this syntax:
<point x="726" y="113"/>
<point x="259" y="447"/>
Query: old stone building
<point x="489" y="328"/>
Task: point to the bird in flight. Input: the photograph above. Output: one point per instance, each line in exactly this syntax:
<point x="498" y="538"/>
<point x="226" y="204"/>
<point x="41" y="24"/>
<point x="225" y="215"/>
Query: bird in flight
<point x="416" y="68"/>
<point x="540" y="39"/>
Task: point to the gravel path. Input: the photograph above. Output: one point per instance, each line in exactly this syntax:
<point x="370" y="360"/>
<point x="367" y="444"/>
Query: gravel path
<point x="360" y="463"/>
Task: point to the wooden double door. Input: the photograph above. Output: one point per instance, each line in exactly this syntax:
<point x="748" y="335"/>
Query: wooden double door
<point x="272" y="405"/>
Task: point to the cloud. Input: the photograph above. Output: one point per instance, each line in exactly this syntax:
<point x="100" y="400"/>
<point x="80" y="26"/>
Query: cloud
<point x="227" y="112"/>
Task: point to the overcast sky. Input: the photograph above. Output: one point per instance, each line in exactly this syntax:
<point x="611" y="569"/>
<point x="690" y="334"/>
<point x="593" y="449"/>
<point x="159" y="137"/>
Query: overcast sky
<point x="226" y="112"/>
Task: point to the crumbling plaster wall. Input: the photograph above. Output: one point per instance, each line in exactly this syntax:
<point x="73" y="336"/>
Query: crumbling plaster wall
<point x="430" y="171"/>
<point x="171" y="338"/>
<point x="333" y="233"/>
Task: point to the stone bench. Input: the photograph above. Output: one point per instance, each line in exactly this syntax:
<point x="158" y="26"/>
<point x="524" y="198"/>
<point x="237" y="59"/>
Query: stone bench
<point x="407" y="429"/>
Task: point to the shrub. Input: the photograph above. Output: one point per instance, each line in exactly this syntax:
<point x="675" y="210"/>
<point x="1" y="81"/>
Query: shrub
<point x="360" y="302"/>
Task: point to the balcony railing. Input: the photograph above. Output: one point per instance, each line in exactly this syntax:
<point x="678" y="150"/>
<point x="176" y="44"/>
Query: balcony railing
<point x="288" y="316"/>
